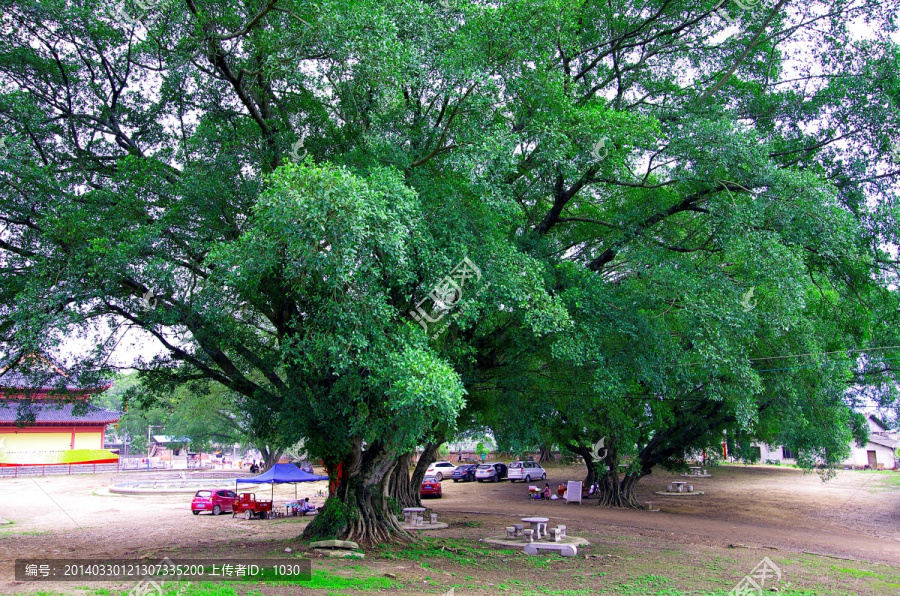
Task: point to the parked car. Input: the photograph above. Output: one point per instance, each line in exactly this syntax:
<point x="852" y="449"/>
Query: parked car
<point x="465" y="472"/>
<point x="440" y="470"/>
<point x="494" y="472"/>
<point x="306" y="466"/>
<point x="527" y="471"/>
<point x="214" y="500"/>
<point x="431" y="487"/>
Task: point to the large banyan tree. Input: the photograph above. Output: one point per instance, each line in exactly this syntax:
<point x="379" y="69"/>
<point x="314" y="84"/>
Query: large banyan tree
<point x="371" y="216"/>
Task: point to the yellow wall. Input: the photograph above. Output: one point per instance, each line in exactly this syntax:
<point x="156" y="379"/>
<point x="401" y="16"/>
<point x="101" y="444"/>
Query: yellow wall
<point x="88" y="440"/>
<point x="61" y="441"/>
<point x="36" y="441"/>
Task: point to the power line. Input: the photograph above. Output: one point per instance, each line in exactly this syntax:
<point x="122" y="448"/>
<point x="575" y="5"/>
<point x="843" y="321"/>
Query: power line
<point x="849" y="350"/>
<point x="824" y="353"/>
<point x="822" y="364"/>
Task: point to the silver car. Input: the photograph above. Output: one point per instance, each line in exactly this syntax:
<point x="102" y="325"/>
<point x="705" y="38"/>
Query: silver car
<point x="527" y="471"/>
<point x="493" y="472"/>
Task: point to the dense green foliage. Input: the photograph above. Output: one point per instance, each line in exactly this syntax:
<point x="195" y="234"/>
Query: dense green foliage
<point x="656" y="210"/>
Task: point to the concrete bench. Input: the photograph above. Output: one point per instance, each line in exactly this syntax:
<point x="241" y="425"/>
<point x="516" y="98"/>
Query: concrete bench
<point x="566" y="550"/>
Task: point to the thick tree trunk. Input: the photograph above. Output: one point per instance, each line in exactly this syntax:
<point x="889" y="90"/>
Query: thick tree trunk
<point x="358" y="507"/>
<point x="270" y="457"/>
<point x="546" y="454"/>
<point x="589" y="463"/>
<point x="613" y="491"/>
<point x="400" y="487"/>
<point x="403" y="488"/>
<point x="429" y="456"/>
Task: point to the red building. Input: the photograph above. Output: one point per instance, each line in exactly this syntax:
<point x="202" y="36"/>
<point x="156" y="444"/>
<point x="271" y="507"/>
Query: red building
<point x="45" y="417"/>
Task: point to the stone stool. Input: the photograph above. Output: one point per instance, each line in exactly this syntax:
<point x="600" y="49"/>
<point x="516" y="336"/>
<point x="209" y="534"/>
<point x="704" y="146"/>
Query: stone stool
<point x="434" y="518"/>
<point x="519" y="528"/>
<point x="562" y="530"/>
<point x="554" y="534"/>
<point x="510" y="532"/>
<point x="528" y="535"/>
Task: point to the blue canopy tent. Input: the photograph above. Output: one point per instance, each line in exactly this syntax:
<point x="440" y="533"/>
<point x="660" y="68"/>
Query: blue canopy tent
<point x="281" y="474"/>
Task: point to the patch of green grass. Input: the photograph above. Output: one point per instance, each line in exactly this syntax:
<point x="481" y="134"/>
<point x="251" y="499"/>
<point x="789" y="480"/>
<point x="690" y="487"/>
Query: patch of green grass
<point x="857" y="572"/>
<point x="543" y="562"/>
<point x="322" y="579"/>
<point x="25" y="533"/>
<point x="456" y="551"/>
<point x="647" y="584"/>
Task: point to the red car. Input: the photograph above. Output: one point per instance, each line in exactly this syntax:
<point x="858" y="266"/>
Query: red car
<point x="431" y="487"/>
<point x="214" y="500"/>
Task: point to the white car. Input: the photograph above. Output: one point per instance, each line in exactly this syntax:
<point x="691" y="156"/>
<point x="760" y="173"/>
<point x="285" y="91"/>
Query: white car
<point x="494" y="472"/>
<point x="527" y="471"/>
<point x="440" y="470"/>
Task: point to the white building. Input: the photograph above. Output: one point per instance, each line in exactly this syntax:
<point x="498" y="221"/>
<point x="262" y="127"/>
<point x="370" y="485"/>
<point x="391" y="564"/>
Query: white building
<point x="881" y="450"/>
<point x="879" y="453"/>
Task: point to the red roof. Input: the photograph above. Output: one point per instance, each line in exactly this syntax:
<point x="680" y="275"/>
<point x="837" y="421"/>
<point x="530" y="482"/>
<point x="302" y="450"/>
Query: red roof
<point x="27" y="413"/>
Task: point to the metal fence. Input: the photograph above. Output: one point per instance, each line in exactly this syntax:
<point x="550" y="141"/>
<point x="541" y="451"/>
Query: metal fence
<point x="52" y="469"/>
<point x="173" y="475"/>
<point x="174" y="484"/>
<point x="138" y="463"/>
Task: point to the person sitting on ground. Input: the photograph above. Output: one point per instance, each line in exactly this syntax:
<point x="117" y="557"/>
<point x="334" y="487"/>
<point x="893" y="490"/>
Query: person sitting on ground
<point x="545" y="494"/>
<point x="306" y="507"/>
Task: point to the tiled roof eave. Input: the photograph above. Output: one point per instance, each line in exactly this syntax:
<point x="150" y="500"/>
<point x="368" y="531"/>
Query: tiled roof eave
<point x="884" y="441"/>
<point x="7" y="424"/>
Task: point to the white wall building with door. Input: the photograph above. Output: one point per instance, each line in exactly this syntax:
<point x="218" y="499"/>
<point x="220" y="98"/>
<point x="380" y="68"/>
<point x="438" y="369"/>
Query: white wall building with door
<point x="879" y="453"/>
<point x="881" y="450"/>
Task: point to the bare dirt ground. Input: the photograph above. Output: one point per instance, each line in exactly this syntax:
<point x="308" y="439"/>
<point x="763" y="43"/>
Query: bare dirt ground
<point x="841" y="537"/>
<point x="855" y="515"/>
